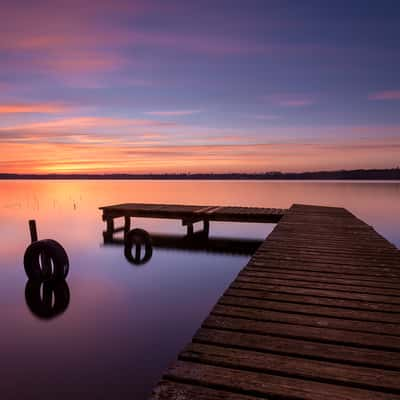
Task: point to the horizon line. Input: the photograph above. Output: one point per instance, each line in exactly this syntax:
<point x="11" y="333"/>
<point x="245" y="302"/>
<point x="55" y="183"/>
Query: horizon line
<point x="375" y="173"/>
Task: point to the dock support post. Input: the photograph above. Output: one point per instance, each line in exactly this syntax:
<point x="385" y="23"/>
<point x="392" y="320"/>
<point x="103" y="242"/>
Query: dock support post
<point x="33" y="230"/>
<point x="110" y="225"/>
<point x="108" y="233"/>
<point x="127" y="225"/>
<point x="206" y="227"/>
<point x="190" y="229"/>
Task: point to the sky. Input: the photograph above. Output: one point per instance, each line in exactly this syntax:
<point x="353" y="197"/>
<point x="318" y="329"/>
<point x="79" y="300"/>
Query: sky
<point x="156" y="86"/>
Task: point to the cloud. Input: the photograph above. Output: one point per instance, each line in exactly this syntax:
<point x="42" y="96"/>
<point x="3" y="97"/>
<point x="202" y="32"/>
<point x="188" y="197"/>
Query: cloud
<point x="385" y="95"/>
<point x="176" y="113"/>
<point x="296" y="103"/>
<point x="267" y="117"/>
<point x="92" y="36"/>
<point x="82" y="123"/>
<point x="138" y="156"/>
<point x="81" y="62"/>
<point x="290" y="100"/>
<point x="17" y="108"/>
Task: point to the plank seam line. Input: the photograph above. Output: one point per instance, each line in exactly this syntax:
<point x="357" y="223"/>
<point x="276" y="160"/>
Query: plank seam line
<point x="314" y="295"/>
<point x="311" y="314"/>
<point x="263" y="257"/>
<point x="243" y="277"/>
<point x="326" y="328"/>
<point x="266" y="371"/>
<point x="310" y="260"/>
<point x="225" y="388"/>
<point x="308" y="279"/>
<point x="304" y="338"/>
<point x="311" y="304"/>
<point x="297" y="355"/>
<point x="359" y="291"/>
<point x="268" y="268"/>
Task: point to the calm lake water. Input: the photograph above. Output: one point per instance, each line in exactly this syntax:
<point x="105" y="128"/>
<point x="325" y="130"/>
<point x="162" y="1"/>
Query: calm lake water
<point x="123" y="324"/>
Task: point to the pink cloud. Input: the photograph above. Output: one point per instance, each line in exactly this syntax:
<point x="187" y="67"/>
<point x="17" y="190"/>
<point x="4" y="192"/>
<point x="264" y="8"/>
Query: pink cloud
<point x="267" y="117"/>
<point x="82" y="62"/>
<point x="291" y="100"/>
<point x="31" y="108"/>
<point x="385" y="95"/>
<point x="176" y="113"/>
<point x="93" y="37"/>
<point x="296" y="103"/>
<point x="197" y="43"/>
<point x="82" y="124"/>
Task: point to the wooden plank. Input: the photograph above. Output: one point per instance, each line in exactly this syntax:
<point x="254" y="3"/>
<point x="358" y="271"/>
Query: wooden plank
<point x="323" y="371"/>
<point x="260" y="314"/>
<point x="264" y="385"/>
<point x="302" y="298"/>
<point x="301" y="283"/>
<point x="330" y="249"/>
<point x="345" y="261"/>
<point x="314" y="315"/>
<point x="304" y="332"/>
<point x="322" y="278"/>
<point x="236" y="298"/>
<point x="389" y="256"/>
<point x="300" y="348"/>
<point x="177" y="211"/>
<point x="288" y="237"/>
<point x="167" y="390"/>
<point x="335" y="294"/>
<point x="332" y="268"/>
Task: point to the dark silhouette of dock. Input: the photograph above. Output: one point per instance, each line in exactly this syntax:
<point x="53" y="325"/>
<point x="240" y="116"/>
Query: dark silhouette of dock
<point x="315" y="314"/>
<point x="198" y="242"/>
<point x="189" y="215"/>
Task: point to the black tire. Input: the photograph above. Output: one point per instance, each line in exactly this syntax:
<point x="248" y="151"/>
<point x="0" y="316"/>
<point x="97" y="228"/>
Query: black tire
<point x="46" y="249"/>
<point x="53" y="300"/>
<point x="136" y="238"/>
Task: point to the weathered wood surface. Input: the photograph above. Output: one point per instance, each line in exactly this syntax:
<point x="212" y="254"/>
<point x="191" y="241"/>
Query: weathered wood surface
<point x="194" y="213"/>
<point x="314" y="315"/>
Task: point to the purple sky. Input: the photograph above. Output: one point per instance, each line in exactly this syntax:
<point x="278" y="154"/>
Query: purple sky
<point x="209" y="86"/>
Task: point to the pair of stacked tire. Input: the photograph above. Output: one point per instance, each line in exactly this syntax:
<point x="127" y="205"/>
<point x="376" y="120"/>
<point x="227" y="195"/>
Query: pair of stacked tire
<point x="43" y="252"/>
<point x="46" y="265"/>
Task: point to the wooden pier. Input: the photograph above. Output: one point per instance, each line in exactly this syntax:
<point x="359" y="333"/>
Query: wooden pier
<point x="189" y="215"/>
<point x="314" y="315"/>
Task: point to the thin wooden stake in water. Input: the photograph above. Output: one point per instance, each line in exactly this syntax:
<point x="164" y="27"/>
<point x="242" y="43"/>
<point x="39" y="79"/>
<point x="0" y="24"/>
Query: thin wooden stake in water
<point x="33" y="230"/>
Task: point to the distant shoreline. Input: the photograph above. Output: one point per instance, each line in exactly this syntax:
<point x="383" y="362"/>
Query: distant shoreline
<point x="361" y="174"/>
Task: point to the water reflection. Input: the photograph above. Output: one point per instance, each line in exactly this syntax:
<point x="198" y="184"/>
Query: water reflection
<point x="138" y="239"/>
<point x="195" y="242"/>
<point x="124" y="325"/>
<point x="47" y="299"/>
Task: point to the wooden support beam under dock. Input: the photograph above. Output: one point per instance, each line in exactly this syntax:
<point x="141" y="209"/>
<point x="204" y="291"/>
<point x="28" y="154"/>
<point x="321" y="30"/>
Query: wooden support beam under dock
<point x="314" y="315"/>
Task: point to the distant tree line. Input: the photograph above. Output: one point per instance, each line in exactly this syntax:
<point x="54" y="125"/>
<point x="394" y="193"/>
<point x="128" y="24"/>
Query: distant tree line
<point x="359" y="174"/>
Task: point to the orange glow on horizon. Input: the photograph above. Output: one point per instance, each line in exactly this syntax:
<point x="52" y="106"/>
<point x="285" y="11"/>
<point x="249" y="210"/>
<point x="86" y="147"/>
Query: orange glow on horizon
<point x="31" y="108"/>
<point x="155" y="158"/>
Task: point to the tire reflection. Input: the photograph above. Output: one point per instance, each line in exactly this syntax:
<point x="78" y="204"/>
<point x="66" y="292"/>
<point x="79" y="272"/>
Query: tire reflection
<point x="46" y="264"/>
<point x="138" y="248"/>
<point x="47" y="299"/>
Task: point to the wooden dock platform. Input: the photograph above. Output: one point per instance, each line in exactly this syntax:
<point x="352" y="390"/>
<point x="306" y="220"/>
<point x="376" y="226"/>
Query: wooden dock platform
<point x="188" y="214"/>
<point x="314" y="315"/>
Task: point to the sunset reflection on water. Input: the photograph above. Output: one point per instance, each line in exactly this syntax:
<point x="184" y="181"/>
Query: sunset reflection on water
<point x="124" y="323"/>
